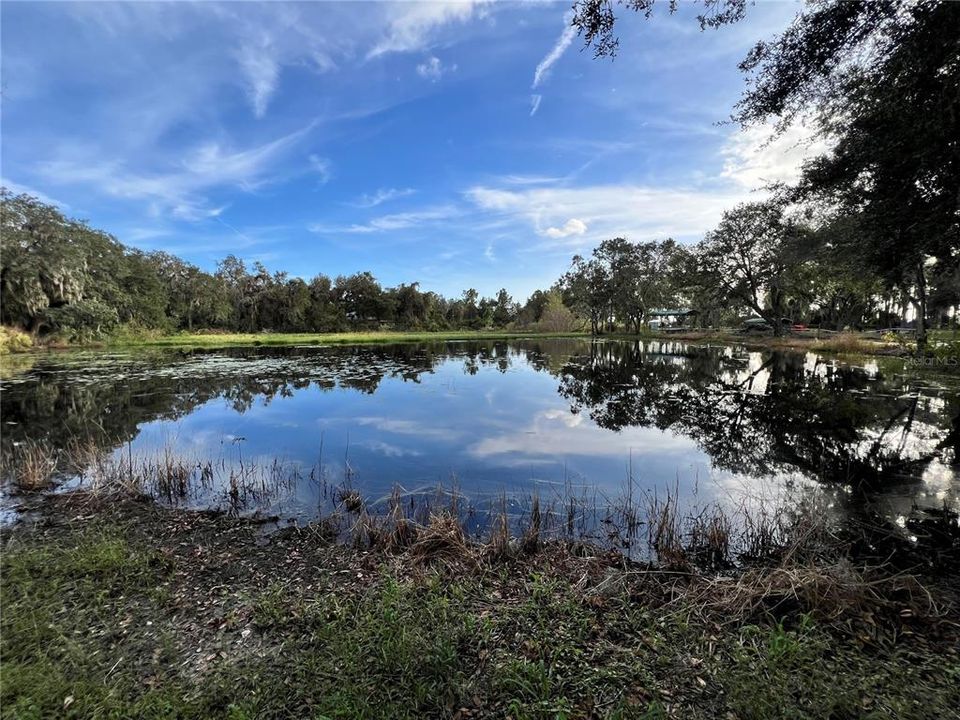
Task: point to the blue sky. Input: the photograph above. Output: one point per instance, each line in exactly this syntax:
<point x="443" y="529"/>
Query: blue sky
<point x="457" y="144"/>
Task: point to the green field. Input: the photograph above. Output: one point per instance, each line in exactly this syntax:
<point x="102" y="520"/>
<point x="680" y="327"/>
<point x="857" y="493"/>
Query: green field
<point x="346" y="338"/>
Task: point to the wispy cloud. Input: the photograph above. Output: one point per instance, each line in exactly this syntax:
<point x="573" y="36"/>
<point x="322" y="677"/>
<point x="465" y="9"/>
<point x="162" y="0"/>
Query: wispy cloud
<point x="529" y="179"/>
<point x="261" y="69"/>
<point x="535" y="103"/>
<point x="557" y="433"/>
<point x="432" y="69"/>
<point x="180" y="190"/>
<point x="381" y="196"/>
<point x="409" y="427"/>
<point x="322" y="167"/>
<point x="413" y="24"/>
<point x="395" y="221"/>
<point x="558" y="49"/>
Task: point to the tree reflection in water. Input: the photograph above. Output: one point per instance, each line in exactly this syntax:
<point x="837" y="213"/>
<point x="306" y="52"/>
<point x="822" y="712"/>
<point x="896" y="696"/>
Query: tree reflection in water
<point x="762" y="413"/>
<point x="863" y="425"/>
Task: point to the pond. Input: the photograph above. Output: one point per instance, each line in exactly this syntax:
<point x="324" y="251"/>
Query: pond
<point x="500" y="419"/>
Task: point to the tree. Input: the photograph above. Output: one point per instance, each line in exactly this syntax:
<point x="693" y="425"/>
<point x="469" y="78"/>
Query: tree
<point x="361" y="298"/>
<point x="470" y="311"/>
<point x="410" y="305"/>
<point x="751" y="254"/>
<point x="834" y="284"/>
<point x="556" y="317"/>
<point x="894" y="119"/>
<point x="60" y="274"/>
<point x="532" y="309"/>
<point x="504" y="310"/>
<point x="879" y="80"/>
<point x="595" y="20"/>
<point x="621" y="282"/>
<point x="587" y="286"/>
<point x="323" y="314"/>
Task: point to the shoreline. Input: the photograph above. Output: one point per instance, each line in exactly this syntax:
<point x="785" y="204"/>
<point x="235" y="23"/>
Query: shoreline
<point x="839" y="343"/>
<point x="122" y="606"/>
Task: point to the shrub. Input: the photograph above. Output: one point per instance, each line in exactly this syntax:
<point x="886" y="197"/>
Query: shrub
<point x="14" y="340"/>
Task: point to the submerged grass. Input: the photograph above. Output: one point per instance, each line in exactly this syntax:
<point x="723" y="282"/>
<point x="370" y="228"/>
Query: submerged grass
<point x="130" y="610"/>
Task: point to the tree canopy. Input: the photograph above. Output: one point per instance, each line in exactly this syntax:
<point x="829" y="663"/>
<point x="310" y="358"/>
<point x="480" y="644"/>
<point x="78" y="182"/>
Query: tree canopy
<point x="878" y="79"/>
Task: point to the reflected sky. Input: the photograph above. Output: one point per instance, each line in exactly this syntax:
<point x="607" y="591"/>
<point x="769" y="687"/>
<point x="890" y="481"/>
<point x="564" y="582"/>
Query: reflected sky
<point x="498" y="417"/>
<point x="487" y="432"/>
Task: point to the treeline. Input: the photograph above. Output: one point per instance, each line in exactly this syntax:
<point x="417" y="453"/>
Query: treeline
<point x="764" y="259"/>
<point x="59" y="275"/>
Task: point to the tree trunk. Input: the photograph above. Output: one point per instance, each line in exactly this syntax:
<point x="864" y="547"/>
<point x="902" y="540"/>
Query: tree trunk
<point x="921" y="309"/>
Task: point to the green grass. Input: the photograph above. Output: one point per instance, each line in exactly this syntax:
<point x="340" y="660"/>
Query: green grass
<point x="347" y="338"/>
<point x="99" y="622"/>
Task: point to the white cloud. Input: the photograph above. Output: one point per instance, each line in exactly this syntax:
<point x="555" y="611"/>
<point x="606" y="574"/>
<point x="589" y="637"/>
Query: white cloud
<point x="573" y="226"/>
<point x="535" y="104"/>
<point x="409" y="427"/>
<point x="560" y="47"/>
<point x="413" y="24"/>
<point x="322" y="167"/>
<point x="396" y="221"/>
<point x="381" y="196"/>
<point x="559" y="433"/>
<point x="394" y="451"/>
<point x="261" y="70"/>
<point x="606" y="211"/>
<point x="755" y="158"/>
<point x="433" y="69"/>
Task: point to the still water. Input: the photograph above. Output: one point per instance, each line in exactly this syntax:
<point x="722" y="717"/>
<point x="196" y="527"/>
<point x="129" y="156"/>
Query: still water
<point x="508" y="418"/>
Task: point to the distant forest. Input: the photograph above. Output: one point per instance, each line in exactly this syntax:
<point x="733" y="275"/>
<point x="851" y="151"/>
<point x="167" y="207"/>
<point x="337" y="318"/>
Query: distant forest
<point x="61" y="276"/>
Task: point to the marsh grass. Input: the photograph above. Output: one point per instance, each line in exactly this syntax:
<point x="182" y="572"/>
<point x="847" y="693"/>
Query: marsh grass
<point x="659" y="525"/>
<point x="850" y="343"/>
<point x="32" y="465"/>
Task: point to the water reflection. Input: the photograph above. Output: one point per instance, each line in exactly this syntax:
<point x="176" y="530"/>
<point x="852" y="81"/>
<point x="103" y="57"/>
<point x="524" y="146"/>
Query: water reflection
<point x="761" y="413"/>
<point x="498" y="416"/>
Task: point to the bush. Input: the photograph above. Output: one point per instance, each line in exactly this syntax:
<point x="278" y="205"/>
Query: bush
<point x="82" y="320"/>
<point x="14" y="340"/>
<point x="557" y="317"/>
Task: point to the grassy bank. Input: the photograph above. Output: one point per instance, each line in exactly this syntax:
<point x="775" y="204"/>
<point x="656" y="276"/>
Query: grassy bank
<point x="124" y="609"/>
<point x="848" y="343"/>
<point x="214" y="340"/>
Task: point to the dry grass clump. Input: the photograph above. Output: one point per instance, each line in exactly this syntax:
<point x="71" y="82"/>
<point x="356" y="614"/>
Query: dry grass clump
<point x="33" y="465"/>
<point x="441" y="540"/>
<point x="351" y="499"/>
<point x="834" y="593"/>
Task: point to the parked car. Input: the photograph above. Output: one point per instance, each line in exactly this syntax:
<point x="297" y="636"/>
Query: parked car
<point x="759" y="324"/>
